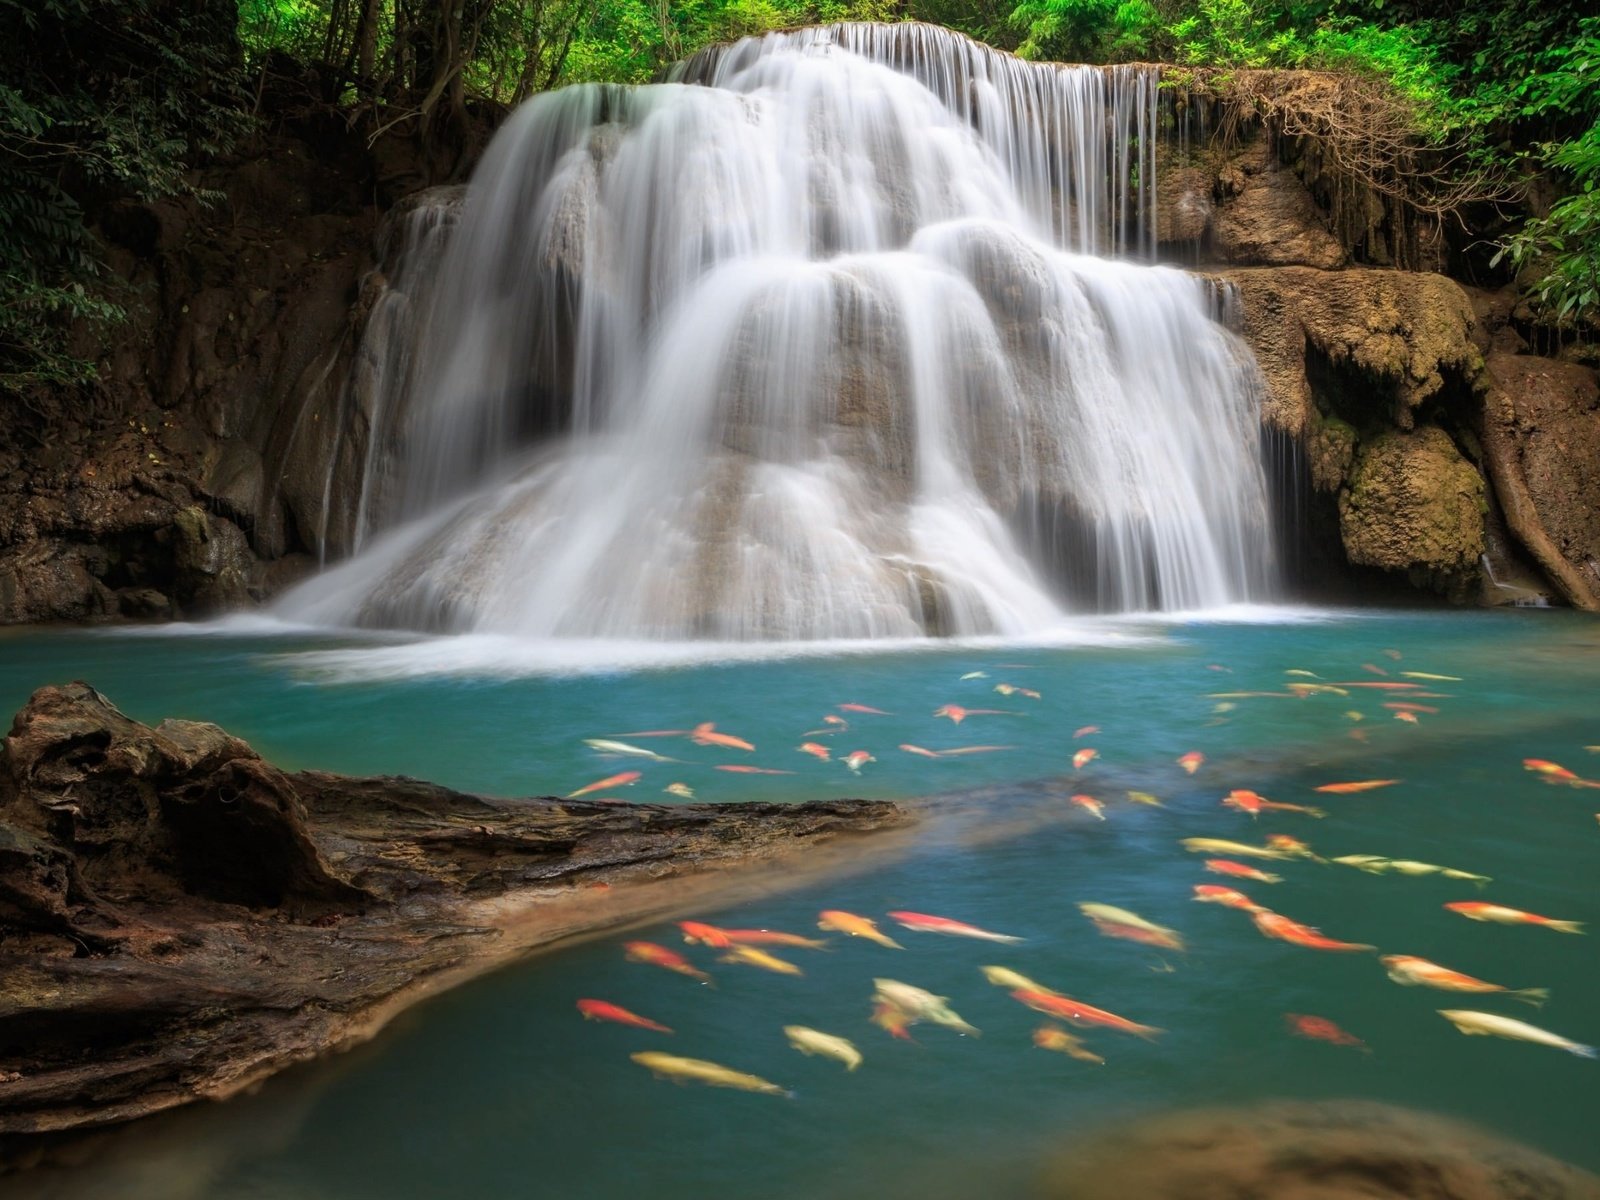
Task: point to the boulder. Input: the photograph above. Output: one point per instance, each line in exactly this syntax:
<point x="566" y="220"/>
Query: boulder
<point x="1268" y="218"/>
<point x="1413" y="504"/>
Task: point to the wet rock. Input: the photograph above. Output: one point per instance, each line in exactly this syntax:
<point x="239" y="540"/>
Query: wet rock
<point x="1413" y="504"/>
<point x="1331" y="1150"/>
<point x="1184" y="205"/>
<point x="212" y="561"/>
<point x="1541" y="436"/>
<point x="1403" y="335"/>
<point x="179" y="918"/>
<point x="1270" y="219"/>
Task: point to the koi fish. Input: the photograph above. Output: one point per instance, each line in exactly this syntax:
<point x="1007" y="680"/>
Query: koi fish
<point x="1221" y="846"/>
<point x="660" y="956"/>
<point x="834" y="724"/>
<point x="1224" y="706"/>
<point x="773" y="937"/>
<point x="923" y="923"/>
<point x="601" y="1010"/>
<point x="670" y="1066"/>
<point x="1219" y="667"/>
<point x="1553" y="772"/>
<point x="1302" y="690"/>
<point x="679" y="789"/>
<point x="1410" y="971"/>
<point x="920" y="1005"/>
<point x="1433" y="678"/>
<point x="1410" y="718"/>
<point x="1145" y="798"/>
<point x="1053" y="1037"/>
<point x="1083" y="756"/>
<point x="837" y="921"/>
<point x="1353" y="715"/>
<point x="1245" y="800"/>
<point x="1394" y="654"/>
<point x="606" y="746"/>
<point x="974" y="675"/>
<point x="706" y="734"/>
<point x="956" y="751"/>
<point x="1298" y="671"/>
<point x="1407" y="706"/>
<point x="814" y="1041"/>
<point x="1191" y="761"/>
<point x="857" y="759"/>
<point x="1323" y="1030"/>
<point x="891" y="1020"/>
<point x="600" y="785"/>
<point x="1478" y="910"/>
<point x="821" y="753"/>
<point x="1276" y="925"/>
<point x="1376" y="670"/>
<point x="1065" y="1008"/>
<point x="1005" y="977"/>
<point x="1085" y="731"/>
<point x="1120" y="923"/>
<point x="1384" y="686"/>
<point x="1373" y="864"/>
<point x="751" y="957"/>
<point x="1221" y="866"/>
<point x="1359" y="785"/>
<point x="1211" y="893"/>
<point x="1008" y="689"/>
<point x="910" y="749"/>
<point x="745" y="769"/>
<point x="1487" y="1024"/>
<point x="1091" y="805"/>
<point x="696" y="933"/>
<point x="958" y="714"/>
<point x="862" y="708"/>
<point x="1292" y="846"/>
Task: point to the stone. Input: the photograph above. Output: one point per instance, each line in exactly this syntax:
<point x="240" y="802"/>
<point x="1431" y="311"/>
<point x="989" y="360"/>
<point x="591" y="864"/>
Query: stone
<point x="1413" y="504"/>
<point x="1269" y="219"/>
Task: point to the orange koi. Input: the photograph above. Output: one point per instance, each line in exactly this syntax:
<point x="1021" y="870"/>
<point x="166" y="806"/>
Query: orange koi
<point x="1053" y="1037"/>
<point x="1552" y="772"/>
<point x="1479" y="910"/>
<point x="706" y="734"/>
<point x="1406" y="706"/>
<point x="741" y="769"/>
<point x="1094" y="807"/>
<point x="892" y="1019"/>
<point x="1410" y="718"/>
<point x="599" y="785"/>
<point x="923" y="923"/>
<point x="1323" y="1030"/>
<point x="1386" y="686"/>
<point x="1211" y="893"/>
<point x="862" y="708"/>
<point x="696" y="933"/>
<point x="772" y="937"/>
<point x="959" y="750"/>
<point x="1222" y="866"/>
<point x="600" y="1010"/>
<point x="1276" y="925"/>
<point x="958" y="714"/>
<point x="816" y="751"/>
<point x="1008" y="689"/>
<point x="1288" y="845"/>
<point x="1244" y="800"/>
<point x="1085" y="731"/>
<point x="1360" y="785"/>
<point x="1191" y="761"/>
<point x="1083" y="1015"/>
<point x="660" y="956"/>
<point x="910" y="749"/>
<point x="1374" y="669"/>
<point x="1083" y="756"/>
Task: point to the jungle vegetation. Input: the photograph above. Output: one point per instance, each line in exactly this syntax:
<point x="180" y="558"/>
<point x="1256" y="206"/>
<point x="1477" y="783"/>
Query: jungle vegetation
<point x="101" y="99"/>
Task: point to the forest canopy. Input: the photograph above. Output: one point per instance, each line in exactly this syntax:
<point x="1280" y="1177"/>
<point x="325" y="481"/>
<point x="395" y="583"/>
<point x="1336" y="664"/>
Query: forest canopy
<point x="104" y="98"/>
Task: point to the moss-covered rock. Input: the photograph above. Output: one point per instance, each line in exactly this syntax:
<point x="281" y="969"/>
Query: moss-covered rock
<point x="1412" y="503"/>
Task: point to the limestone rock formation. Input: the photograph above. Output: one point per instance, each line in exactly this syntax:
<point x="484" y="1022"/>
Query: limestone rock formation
<point x="1541" y="438"/>
<point x="1414" y="504"/>
<point x="1268" y="218"/>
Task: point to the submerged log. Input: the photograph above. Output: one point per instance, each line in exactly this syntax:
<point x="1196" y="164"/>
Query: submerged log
<point x="180" y="919"/>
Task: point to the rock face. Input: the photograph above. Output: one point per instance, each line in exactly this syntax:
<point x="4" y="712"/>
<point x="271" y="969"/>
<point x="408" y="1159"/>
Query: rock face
<point x="1268" y="218"/>
<point x="1414" y="504"/>
<point x="179" y="918"/>
<point x="1334" y="1150"/>
<point x="1541" y="436"/>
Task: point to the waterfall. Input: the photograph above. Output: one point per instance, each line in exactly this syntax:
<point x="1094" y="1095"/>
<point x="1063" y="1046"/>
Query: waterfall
<point x="836" y="333"/>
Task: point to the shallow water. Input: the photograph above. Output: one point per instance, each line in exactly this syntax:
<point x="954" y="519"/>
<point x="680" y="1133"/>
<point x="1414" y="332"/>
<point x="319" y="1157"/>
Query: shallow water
<point x="500" y="1090"/>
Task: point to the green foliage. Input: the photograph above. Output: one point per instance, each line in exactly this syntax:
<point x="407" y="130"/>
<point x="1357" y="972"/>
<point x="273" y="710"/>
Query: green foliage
<point x="99" y="98"/>
<point x="1563" y="247"/>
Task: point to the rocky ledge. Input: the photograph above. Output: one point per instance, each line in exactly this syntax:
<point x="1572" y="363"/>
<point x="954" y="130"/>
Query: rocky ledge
<point x="180" y="919"/>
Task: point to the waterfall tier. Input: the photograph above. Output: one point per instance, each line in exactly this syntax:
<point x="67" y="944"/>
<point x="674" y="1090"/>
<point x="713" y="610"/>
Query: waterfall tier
<point x="811" y="341"/>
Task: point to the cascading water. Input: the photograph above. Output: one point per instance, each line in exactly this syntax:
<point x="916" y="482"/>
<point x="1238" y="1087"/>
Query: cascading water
<point x="811" y="342"/>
